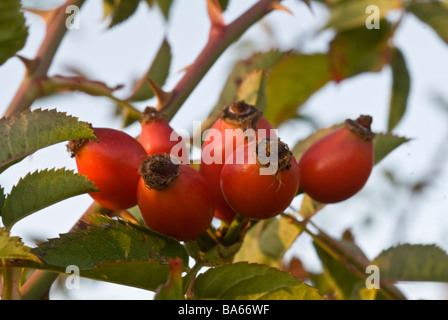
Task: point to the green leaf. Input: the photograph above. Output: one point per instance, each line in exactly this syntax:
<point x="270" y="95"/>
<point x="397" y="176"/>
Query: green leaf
<point x="114" y="251"/>
<point x="29" y="131"/>
<point x="267" y="241"/>
<point x="291" y="82"/>
<point x="119" y="10"/>
<point x="42" y="189"/>
<point x="385" y="143"/>
<point x="433" y="13"/>
<point x="157" y="72"/>
<point x="223" y="4"/>
<point x="302" y="145"/>
<point x="165" y="6"/>
<point x="13" y="248"/>
<point x="351" y="14"/>
<point x="309" y="207"/>
<point x="408" y="262"/>
<point x="244" y="281"/>
<point x="173" y="288"/>
<point x="13" y="30"/>
<point x="345" y="281"/>
<point x="253" y="89"/>
<point x="400" y="89"/>
<point x="229" y="93"/>
<point x="359" y="50"/>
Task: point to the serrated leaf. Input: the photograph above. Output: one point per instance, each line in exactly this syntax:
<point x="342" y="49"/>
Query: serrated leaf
<point x="244" y="281"/>
<point x="351" y="14"/>
<point x="291" y="82"/>
<point x="14" y="248"/>
<point x="253" y="89"/>
<point x="385" y="143"/>
<point x="28" y="131"/>
<point x="412" y="262"/>
<point x="13" y="30"/>
<point x="41" y="189"/>
<point x="433" y="13"/>
<point x="268" y="241"/>
<point x="157" y="72"/>
<point x="400" y="89"/>
<point x="115" y="251"/>
<point x="359" y="50"/>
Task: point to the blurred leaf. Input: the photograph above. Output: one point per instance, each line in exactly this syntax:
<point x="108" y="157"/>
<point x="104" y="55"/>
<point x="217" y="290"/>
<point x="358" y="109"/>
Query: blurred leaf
<point x="407" y="262"/>
<point x="253" y="89"/>
<point x="433" y="13"/>
<point x="359" y="50"/>
<point x="114" y="251"/>
<point x="40" y="190"/>
<point x="119" y="10"/>
<point x="302" y="145"/>
<point x="385" y="143"/>
<point x="258" y="61"/>
<point x="165" y="6"/>
<point x="173" y="288"/>
<point x="400" y="89"/>
<point x="291" y="82"/>
<point x="343" y="279"/>
<point x="351" y="14"/>
<point x="267" y="241"/>
<point x="26" y="132"/>
<point x="13" y="248"/>
<point x="13" y="29"/>
<point x="157" y="72"/>
<point x="309" y="207"/>
<point x="244" y="281"/>
<point x="223" y="4"/>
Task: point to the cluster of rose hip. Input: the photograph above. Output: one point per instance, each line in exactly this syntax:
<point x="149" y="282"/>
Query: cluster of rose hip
<point x="253" y="174"/>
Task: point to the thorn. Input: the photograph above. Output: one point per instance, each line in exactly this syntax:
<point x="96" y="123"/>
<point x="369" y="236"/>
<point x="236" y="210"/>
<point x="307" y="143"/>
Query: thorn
<point x="163" y="97"/>
<point x="215" y="15"/>
<point x="29" y="64"/>
<point x="46" y="15"/>
<point x="278" y="6"/>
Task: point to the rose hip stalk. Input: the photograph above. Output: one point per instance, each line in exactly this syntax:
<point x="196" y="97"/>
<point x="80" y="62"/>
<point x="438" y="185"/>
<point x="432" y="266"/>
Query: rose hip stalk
<point x="338" y="165"/>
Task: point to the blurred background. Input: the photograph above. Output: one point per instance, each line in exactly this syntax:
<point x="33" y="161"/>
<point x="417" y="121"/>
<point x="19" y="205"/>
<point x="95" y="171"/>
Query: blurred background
<point x="405" y="199"/>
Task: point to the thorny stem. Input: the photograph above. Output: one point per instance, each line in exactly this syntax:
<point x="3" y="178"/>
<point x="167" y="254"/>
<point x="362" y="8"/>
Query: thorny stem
<point x="218" y="42"/>
<point x="28" y="92"/>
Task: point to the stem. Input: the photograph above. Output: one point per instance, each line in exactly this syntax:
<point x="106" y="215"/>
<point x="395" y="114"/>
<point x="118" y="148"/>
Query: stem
<point x="218" y="42"/>
<point x="235" y="227"/>
<point x="56" y="29"/>
<point x="325" y="242"/>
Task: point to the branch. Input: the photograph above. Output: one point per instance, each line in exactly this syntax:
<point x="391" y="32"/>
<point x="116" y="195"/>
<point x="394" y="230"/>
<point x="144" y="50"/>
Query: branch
<point x="38" y="67"/>
<point x="221" y="37"/>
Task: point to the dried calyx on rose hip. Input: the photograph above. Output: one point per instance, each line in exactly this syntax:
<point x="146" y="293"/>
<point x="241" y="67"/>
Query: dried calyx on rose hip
<point x="261" y="180"/>
<point x="237" y="124"/>
<point x="338" y="165"/>
<point x="157" y="136"/>
<point x="112" y="164"/>
<point x="174" y="199"/>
